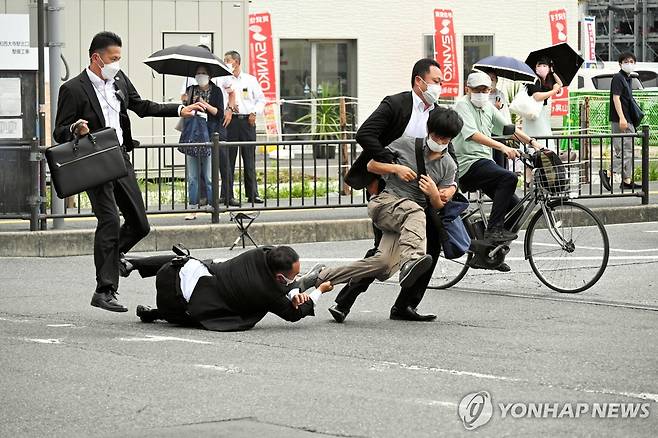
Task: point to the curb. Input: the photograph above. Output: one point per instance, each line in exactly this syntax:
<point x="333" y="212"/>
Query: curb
<point x="58" y="243"/>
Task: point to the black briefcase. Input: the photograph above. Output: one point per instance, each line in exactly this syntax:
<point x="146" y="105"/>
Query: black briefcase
<point x="86" y="162"/>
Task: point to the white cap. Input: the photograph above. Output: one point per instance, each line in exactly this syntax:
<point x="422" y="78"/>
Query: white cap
<point x="478" y="79"/>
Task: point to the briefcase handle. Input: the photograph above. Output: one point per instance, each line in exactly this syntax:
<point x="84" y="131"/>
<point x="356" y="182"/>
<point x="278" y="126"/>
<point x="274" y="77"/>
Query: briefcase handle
<point x="92" y="139"/>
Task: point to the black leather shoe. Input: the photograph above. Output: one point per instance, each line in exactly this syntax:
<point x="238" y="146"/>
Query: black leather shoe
<point x="125" y="267"/>
<point x="630" y="186"/>
<point x="107" y="301"/>
<point x="409" y="314"/>
<point x="605" y="179"/>
<point x="413" y="269"/>
<point x="499" y="234"/>
<point x="256" y="200"/>
<point x="338" y="313"/>
<point x="308" y="280"/>
<point x="503" y="267"/>
<point x="234" y="202"/>
<point x="146" y="314"/>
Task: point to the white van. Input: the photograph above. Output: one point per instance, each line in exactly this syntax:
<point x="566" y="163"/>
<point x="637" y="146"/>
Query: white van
<point x="599" y="79"/>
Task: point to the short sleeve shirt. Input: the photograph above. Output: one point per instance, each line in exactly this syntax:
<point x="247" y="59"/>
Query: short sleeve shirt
<point x="620" y="86"/>
<point x="442" y="170"/>
<point x="486" y="120"/>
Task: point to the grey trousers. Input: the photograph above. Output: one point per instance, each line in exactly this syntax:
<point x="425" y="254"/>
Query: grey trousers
<point x="623" y="151"/>
<point x="402" y="223"/>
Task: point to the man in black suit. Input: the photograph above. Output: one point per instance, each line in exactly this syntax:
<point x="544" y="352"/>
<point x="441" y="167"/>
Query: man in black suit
<point x="404" y="113"/>
<point x="100" y="97"/>
<point x="232" y="295"/>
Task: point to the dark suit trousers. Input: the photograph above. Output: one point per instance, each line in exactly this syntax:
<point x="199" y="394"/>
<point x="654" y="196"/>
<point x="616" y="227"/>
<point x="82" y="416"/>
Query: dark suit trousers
<point x="149" y="266"/>
<point x="410" y="296"/>
<point x="239" y="130"/>
<point x="111" y="237"/>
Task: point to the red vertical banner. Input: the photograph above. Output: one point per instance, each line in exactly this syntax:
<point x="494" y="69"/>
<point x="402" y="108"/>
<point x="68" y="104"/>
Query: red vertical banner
<point x="445" y="50"/>
<point x="261" y="64"/>
<point x="558" y="23"/>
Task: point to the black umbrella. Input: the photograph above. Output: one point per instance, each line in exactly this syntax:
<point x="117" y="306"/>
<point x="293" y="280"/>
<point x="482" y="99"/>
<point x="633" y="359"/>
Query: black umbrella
<point x="566" y="61"/>
<point x="183" y="61"/>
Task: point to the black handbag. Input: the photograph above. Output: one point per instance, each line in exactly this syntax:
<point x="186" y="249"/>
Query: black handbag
<point x="636" y="114"/>
<point x="86" y="162"/>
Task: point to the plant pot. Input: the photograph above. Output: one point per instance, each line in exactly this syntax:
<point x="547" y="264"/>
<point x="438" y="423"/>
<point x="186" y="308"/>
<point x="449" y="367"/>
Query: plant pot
<point x="324" y="151"/>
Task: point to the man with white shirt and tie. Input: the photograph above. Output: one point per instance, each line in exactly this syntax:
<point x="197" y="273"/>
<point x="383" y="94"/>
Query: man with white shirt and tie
<point x="249" y="102"/>
<point x="403" y="113"/>
<point x="100" y="97"/>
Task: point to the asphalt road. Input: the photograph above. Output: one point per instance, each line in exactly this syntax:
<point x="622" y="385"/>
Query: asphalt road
<point x="72" y="370"/>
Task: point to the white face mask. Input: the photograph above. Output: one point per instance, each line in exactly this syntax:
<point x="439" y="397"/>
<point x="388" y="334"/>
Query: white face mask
<point x="628" y="67"/>
<point x="479" y="99"/>
<point x="202" y="80"/>
<point x="436" y="147"/>
<point x="110" y="70"/>
<point x="432" y="94"/>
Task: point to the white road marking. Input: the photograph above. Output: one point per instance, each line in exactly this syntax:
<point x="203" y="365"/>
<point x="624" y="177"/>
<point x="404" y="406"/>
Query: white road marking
<point x="45" y="341"/>
<point x="60" y="325"/>
<point x="14" y="320"/>
<point x="155" y="338"/>
<point x="381" y="366"/>
<point x="225" y="369"/>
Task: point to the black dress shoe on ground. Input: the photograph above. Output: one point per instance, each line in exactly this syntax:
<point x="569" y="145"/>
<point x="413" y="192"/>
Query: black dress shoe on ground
<point x="146" y="314"/>
<point x="409" y="314"/>
<point x="413" y="269"/>
<point x="499" y="234"/>
<point x="256" y="200"/>
<point x="503" y="267"/>
<point x="107" y="301"/>
<point x="605" y="180"/>
<point x="630" y="186"/>
<point x="338" y="313"/>
<point x="308" y="280"/>
<point x="234" y="203"/>
<point x="125" y="267"/>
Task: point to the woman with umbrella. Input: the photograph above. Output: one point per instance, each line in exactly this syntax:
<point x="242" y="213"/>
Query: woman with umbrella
<point x="200" y="129"/>
<point x="548" y="85"/>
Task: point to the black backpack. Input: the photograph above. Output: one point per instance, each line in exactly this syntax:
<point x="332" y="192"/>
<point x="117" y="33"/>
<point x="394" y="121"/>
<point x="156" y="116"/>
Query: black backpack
<point x="551" y="174"/>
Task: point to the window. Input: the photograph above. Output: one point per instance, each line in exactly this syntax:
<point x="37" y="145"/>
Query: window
<point x="476" y="47"/>
<point x="428" y="46"/>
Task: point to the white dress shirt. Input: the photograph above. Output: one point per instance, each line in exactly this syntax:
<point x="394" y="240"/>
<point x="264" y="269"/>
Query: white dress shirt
<point x="225" y="83"/>
<point x="110" y="103"/>
<point x="189" y="276"/>
<point x="249" y="97"/>
<point x="417" y="126"/>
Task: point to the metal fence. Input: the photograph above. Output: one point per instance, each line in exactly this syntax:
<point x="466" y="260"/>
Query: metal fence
<point x="307" y="175"/>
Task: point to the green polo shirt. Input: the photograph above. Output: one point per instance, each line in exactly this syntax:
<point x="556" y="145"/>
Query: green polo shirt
<point x="487" y="121"/>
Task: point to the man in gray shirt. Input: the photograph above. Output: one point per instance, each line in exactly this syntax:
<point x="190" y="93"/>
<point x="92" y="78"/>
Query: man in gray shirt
<point x="398" y="211"/>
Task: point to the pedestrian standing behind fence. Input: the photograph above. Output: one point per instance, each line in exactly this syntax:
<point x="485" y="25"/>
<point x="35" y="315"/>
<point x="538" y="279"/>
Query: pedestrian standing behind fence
<point x="250" y="101"/>
<point x="100" y="97"/>
<point x="200" y="129"/>
<point x="499" y="100"/>
<point x="621" y="121"/>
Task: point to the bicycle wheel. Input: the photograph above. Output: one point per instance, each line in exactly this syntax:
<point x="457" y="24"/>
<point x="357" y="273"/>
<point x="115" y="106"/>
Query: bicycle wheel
<point x="578" y="262"/>
<point x="449" y="272"/>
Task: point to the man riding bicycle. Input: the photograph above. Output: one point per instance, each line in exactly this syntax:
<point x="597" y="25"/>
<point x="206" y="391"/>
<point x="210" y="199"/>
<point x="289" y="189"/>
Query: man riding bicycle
<point x="473" y="145"/>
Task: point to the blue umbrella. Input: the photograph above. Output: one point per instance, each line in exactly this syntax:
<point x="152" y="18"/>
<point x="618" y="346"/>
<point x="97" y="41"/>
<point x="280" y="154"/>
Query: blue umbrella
<point x="506" y="67"/>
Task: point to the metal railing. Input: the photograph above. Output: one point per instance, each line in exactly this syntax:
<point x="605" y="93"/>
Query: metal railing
<point x="311" y="179"/>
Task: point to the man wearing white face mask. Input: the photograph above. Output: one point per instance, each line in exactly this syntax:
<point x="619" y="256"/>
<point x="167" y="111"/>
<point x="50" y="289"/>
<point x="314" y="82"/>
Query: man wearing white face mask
<point x="100" y="97"/>
<point x="398" y="211"/>
<point x="622" y="120"/>
<point x="473" y="145"/>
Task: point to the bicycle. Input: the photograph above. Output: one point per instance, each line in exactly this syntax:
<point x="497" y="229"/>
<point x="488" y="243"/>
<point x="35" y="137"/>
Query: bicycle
<point x="565" y="243"/>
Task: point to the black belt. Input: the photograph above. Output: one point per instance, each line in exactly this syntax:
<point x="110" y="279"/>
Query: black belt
<point x="241" y="116"/>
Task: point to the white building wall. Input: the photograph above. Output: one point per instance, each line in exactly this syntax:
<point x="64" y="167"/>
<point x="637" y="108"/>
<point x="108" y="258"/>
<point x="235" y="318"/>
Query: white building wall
<point x="389" y="33"/>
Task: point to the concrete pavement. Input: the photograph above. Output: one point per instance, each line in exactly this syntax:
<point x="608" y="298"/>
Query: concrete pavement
<point x="72" y="370"/>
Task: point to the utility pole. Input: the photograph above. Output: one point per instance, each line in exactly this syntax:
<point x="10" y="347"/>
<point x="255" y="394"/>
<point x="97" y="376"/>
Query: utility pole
<point x="611" y="31"/>
<point x="55" y="43"/>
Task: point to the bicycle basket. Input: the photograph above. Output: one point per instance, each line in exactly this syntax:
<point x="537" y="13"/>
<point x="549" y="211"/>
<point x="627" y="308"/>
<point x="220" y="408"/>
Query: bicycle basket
<point x="556" y="178"/>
